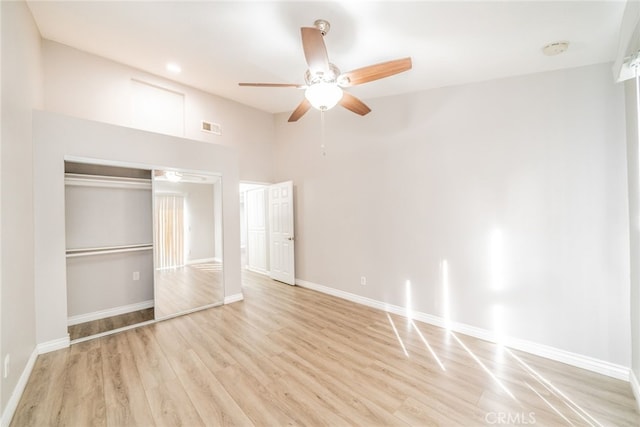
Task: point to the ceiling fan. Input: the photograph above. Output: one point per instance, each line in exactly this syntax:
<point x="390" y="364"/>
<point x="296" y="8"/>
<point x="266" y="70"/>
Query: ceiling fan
<point x="324" y="82"/>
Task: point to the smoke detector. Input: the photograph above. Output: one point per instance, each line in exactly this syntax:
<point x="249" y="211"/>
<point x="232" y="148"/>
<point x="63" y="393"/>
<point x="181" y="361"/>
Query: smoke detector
<point x="556" y="48"/>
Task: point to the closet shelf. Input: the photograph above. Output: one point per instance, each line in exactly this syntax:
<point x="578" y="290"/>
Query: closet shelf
<point x="106" y="181"/>
<point x="74" y="253"/>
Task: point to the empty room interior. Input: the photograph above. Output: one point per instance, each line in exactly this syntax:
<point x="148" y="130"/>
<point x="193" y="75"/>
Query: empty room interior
<point x="320" y="213"/>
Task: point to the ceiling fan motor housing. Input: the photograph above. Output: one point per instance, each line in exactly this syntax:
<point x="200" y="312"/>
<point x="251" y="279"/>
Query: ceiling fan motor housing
<point x="329" y="76"/>
<point x="322" y="25"/>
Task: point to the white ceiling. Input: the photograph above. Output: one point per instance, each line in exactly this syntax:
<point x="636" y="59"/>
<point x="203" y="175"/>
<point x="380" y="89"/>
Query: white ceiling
<point x="219" y="44"/>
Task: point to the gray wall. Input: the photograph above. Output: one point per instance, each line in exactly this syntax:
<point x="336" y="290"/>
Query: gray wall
<point x="199" y="217"/>
<point x="104" y="282"/>
<point x="634" y="219"/>
<point x="519" y="184"/>
<point x="98" y="217"/>
<point x="21" y="92"/>
<point x="87" y="86"/>
<point x="628" y="45"/>
<point x="56" y="136"/>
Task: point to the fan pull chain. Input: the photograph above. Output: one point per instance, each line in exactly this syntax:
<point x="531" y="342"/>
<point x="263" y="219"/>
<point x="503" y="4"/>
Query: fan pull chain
<point x="322" y="133"/>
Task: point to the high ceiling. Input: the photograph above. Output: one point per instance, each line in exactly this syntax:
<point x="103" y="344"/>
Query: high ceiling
<point x="219" y="44"/>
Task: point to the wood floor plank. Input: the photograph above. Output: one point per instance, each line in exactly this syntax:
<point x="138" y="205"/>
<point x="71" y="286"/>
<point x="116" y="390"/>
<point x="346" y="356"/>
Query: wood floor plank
<point x="170" y="405"/>
<point x="42" y="399"/>
<point x="110" y="323"/>
<point x="126" y="401"/>
<point x="291" y="356"/>
<point x="208" y="350"/>
<point x="150" y="360"/>
<point x="208" y="395"/>
<point x="83" y="394"/>
<point x="254" y="398"/>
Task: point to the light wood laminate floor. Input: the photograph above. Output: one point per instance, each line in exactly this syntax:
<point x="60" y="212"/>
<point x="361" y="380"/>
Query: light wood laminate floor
<point x="185" y="288"/>
<point x="287" y="355"/>
<point x="99" y="326"/>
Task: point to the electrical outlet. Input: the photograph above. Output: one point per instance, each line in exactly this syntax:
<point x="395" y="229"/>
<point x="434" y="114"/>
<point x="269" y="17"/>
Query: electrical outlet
<point x="136" y="275"/>
<point x="363" y="280"/>
<point x="7" y="362"/>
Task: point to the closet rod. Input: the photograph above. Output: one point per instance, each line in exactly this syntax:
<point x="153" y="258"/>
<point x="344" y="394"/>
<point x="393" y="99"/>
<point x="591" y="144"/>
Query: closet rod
<point x="106" y="181"/>
<point x="74" y="253"/>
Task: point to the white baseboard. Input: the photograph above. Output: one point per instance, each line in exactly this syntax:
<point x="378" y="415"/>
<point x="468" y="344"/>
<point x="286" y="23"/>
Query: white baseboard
<point x="233" y="298"/>
<point x="202" y="261"/>
<point x="53" y="345"/>
<point x="574" y="359"/>
<point x="635" y="387"/>
<point x="12" y="404"/>
<point x="102" y="314"/>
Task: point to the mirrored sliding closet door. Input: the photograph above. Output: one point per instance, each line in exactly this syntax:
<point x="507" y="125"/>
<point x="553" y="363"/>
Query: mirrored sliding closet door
<point x="187" y="216"/>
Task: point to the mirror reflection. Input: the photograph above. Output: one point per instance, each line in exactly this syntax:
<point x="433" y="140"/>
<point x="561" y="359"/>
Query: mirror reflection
<point x="188" y="241"/>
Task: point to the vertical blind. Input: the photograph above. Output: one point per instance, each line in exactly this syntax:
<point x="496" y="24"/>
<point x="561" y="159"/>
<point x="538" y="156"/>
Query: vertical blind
<point x="169" y="231"/>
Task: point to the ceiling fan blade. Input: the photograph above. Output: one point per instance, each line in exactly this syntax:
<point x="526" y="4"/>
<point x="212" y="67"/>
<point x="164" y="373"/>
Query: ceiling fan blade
<point x="374" y="72"/>
<point x="352" y="103"/>
<point x="299" y="112"/>
<point x="315" y="50"/>
<point x="273" y="85"/>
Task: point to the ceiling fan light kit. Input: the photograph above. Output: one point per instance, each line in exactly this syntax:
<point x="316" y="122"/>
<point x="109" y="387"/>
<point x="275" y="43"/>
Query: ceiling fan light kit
<point x="324" y="82"/>
<point x="323" y="96"/>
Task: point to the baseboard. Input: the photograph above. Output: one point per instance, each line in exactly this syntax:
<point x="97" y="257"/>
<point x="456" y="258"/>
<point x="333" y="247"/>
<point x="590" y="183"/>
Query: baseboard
<point x="12" y="404"/>
<point x="233" y="298"/>
<point x="116" y="311"/>
<point x="202" y="261"/>
<point x="53" y="345"/>
<point x="635" y="387"/>
<point x="574" y="359"/>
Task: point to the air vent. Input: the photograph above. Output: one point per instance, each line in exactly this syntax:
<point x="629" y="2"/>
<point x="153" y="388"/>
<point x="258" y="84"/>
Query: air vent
<point x="210" y="127"/>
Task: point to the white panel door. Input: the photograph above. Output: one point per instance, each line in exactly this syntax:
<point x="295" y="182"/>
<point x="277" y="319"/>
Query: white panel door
<point x="281" y="232"/>
<point x="256" y="211"/>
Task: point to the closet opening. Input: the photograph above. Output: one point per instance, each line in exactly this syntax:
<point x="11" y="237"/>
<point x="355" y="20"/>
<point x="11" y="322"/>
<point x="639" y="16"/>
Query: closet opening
<point x="142" y="245"/>
<point x="109" y="248"/>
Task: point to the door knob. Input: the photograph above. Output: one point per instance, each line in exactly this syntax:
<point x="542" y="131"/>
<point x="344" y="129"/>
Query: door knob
<point x="290" y="238"/>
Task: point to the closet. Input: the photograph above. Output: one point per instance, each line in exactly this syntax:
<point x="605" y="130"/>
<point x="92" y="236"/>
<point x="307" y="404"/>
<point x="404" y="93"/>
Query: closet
<point x="109" y="247"/>
<point x="141" y="245"/>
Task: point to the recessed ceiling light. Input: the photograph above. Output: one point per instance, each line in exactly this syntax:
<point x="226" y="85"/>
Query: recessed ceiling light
<point x="174" y="68"/>
<point x="556" y="48"/>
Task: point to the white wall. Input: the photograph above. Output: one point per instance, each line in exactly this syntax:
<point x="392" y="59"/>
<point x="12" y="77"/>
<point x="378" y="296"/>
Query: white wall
<point x="83" y="85"/>
<point x="21" y="91"/>
<point x="56" y="136"/>
<point x="519" y="184"/>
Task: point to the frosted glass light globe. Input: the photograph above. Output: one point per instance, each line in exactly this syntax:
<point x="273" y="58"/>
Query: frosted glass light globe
<point x="323" y="96"/>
